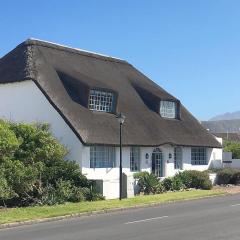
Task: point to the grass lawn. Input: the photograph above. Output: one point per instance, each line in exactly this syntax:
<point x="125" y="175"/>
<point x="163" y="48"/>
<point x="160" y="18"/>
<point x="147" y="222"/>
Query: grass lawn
<point x="31" y="213"/>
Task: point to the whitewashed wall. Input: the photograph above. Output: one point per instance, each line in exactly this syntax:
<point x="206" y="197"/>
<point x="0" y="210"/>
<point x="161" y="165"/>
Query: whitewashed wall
<point x="235" y="163"/>
<point x="24" y="102"/>
<point x="110" y="176"/>
<point x="228" y="161"/>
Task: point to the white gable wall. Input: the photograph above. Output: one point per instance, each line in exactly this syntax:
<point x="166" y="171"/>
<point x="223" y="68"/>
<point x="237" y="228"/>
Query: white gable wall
<point x="24" y="102"/>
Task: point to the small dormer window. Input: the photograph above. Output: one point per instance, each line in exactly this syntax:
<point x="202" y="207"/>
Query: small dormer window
<point x="168" y="109"/>
<point x="100" y="100"/>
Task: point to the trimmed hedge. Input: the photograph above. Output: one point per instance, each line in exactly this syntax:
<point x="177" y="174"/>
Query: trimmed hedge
<point x="195" y="179"/>
<point x="228" y="176"/>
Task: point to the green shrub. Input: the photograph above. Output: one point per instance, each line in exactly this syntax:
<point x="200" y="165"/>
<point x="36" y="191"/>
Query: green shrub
<point x="206" y="185"/>
<point x="148" y="183"/>
<point x="167" y="184"/>
<point x="226" y="176"/>
<point x="33" y="169"/>
<point x="173" y="184"/>
<point x="186" y="178"/>
<point x="236" y="177"/>
<point x="195" y="179"/>
<point x="177" y="184"/>
<point x="91" y="194"/>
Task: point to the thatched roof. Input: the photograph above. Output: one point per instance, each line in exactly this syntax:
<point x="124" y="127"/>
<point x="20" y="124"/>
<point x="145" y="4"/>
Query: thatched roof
<point x="66" y="75"/>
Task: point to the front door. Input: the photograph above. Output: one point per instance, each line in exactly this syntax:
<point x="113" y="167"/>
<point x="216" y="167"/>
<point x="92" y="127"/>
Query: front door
<point x="157" y="162"/>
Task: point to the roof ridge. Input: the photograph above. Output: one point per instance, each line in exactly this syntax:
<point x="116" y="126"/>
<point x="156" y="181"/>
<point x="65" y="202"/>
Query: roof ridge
<point x="38" y="42"/>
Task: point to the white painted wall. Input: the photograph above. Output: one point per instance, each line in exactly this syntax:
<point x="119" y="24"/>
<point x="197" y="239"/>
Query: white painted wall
<point x="228" y="161"/>
<point x="235" y="163"/>
<point x="110" y="176"/>
<point x="24" y="102"/>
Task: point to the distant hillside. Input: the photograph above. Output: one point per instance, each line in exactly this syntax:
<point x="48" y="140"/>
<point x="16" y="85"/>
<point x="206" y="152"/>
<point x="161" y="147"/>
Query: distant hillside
<point x="222" y="126"/>
<point x="226" y="116"/>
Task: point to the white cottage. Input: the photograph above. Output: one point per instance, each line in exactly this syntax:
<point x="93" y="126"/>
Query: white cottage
<point x="79" y="93"/>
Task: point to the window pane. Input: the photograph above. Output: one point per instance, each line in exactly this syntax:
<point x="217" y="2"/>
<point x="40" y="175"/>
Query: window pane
<point x="157" y="162"/>
<point x="178" y="158"/>
<point x="101" y="101"/>
<point x="134" y="159"/>
<point x="199" y="156"/>
<point x="102" y="157"/>
<point x="168" y="109"/>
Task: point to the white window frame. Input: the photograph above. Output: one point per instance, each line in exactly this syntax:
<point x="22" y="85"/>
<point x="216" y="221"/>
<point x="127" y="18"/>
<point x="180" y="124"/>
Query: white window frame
<point x="100" y="100"/>
<point x="168" y="109"/>
<point x="135" y="159"/>
<point x="178" y="163"/>
<point x="158" y="158"/>
<point x="199" y="156"/>
<point x="102" y="157"/>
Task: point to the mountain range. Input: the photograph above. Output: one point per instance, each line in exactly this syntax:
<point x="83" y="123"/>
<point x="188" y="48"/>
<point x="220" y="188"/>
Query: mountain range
<point x="224" y="123"/>
<point x="226" y="116"/>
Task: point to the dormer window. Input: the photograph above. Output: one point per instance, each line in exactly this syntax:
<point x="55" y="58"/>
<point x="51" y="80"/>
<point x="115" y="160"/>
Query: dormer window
<point x="100" y="100"/>
<point x="168" y="109"/>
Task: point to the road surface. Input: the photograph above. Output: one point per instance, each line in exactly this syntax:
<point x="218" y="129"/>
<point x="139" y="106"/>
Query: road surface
<point x="211" y="218"/>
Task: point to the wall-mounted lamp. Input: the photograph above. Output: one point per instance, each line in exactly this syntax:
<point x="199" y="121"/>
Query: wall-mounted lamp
<point x="170" y="156"/>
<point x="147" y="156"/>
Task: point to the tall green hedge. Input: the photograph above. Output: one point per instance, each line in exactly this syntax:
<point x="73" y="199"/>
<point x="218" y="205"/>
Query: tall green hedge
<point x="33" y="169"/>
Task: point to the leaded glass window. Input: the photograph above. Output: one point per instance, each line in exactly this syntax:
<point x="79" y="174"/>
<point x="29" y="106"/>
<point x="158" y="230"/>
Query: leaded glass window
<point x="102" y="157"/>
<point x="199" y="156"/>
<point x="168" y="109"/>
<point x="101" y="100"/>
<point x="177" y="158"/>
<point x="157" y="162"/>
<point x="135" y="159"/>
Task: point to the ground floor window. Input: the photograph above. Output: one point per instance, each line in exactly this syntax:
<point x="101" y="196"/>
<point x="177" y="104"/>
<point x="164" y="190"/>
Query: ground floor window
<point x="177" y="158"/>
<point x="135" y="159"/>
<point x="102" y="157"/>
<point x="199" y="156"/>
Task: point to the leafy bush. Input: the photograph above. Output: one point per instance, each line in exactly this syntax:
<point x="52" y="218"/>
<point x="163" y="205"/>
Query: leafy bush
<point x="228" y="176"/>
<point x="177" y="184"/>
<point x="195" y="179"/>
<point x="92" y="195"/>
<point x="234" y="147"/>
<point x="148" y="183"/>
<point x="33" y="169"/>
<point x="173" y="184"/>
<point x="236" y="177"/>
<point x="186" y="178"/>
<point x="167" y="184"/>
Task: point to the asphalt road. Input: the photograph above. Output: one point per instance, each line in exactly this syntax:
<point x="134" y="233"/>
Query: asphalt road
<point x="212" y="218"/>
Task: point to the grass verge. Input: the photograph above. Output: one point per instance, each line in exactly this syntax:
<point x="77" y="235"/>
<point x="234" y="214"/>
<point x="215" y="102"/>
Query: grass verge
<point x="39" y="212"/>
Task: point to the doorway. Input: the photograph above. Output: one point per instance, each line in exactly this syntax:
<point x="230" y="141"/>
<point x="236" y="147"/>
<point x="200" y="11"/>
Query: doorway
<point x="157" y="162"/>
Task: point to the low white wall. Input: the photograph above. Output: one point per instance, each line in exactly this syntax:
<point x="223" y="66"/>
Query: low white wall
<point x="227" y="156"/>
<point x="213" y="178"/>
<point x="24" y="102"/>
<point x="235" y="163"/>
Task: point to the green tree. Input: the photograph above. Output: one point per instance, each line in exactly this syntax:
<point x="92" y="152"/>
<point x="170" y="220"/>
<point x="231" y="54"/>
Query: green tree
<point x="34" y="169"/>
<point x="234" y="147"/>
<point x="8" y="141"/>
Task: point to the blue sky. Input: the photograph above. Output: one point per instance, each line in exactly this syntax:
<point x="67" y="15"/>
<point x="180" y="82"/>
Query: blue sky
<point x="190" y="48"/>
